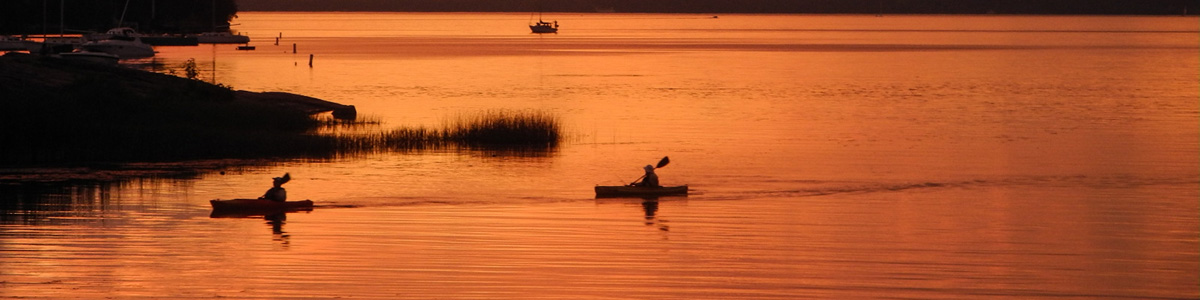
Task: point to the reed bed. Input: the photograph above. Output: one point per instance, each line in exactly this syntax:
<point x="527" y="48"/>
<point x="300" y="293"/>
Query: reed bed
<point x="504" y="128"/>
<point x="490" y="130"/>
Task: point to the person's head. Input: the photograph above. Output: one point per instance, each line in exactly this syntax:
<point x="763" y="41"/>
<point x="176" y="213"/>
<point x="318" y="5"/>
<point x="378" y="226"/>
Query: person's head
<point x="278" y="181"/>
<point x="649" y="169"/>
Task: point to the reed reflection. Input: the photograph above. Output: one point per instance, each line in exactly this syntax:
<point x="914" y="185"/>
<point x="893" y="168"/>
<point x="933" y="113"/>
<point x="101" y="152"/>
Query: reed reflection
<point x="36" y="203"/>
<point x="42" y="196"/>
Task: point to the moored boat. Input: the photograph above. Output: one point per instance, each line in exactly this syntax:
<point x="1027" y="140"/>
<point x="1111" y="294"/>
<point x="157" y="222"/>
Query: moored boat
<point x="8" y="43"/>
<point x="259" y="205"/>
<point x="122" y="42"/>
<point x="603" y="191"/>
<point x="544" y="27"/>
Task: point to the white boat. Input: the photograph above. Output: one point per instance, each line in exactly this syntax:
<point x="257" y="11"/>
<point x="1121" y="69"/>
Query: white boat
<point x="8" y="43"/>
<point x="221" y="38"/>
<point x="122" y="42"/>
<point x="91" y="57"/>
<point x="51" y="45"/>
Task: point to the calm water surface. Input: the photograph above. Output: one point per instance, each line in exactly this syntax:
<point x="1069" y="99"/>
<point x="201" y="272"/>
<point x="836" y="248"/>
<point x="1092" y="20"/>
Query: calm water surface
<point x="835" y="157"/>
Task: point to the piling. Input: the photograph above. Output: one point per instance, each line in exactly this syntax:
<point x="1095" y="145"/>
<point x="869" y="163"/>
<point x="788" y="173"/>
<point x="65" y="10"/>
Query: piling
<point x="293" y="48"/>
<point x="276" y="41"/>
<point x="310" y="57"/>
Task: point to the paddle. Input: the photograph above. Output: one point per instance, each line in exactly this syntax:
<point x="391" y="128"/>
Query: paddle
<point x="661" y="163"/>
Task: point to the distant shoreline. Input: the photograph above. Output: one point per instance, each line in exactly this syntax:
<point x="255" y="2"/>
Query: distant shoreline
<point x="1189" y="14"/>
<point x="718" y="14"/>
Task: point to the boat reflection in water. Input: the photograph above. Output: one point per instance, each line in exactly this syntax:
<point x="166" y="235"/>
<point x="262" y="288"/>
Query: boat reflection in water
<point x="275" y="213"/>
<point x="276" y="221"/>
<point x="650" y="206"/>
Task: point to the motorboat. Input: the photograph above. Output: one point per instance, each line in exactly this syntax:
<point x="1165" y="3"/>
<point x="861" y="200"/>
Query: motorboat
<point x="123" y="42"/>
<point x="8" y="43"/>
<point x="91" y="57"/>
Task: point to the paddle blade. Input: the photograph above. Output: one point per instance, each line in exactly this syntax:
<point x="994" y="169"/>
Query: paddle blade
<point x="663" y="162"/>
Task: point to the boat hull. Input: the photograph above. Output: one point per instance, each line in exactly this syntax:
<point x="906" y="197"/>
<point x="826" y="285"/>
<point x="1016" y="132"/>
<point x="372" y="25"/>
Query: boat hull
<point x="92" y="57"/>
<point x="543" y="29"/>
<point x="120" y="48"/>
<point x="637" y="191"/>
<point x="257" y="206"/>
<point x="11" y="44"/>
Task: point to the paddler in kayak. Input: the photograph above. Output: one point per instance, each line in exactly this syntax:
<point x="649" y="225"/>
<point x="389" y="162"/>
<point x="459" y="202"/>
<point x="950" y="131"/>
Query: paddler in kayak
<point x="648" y="180"/>
<point x="277" y="193"/>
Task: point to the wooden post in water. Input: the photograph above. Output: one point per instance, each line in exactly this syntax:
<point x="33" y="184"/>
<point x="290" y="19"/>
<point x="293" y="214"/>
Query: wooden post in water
<point x="276" y="41"/>
<point x="293" y="48"/>
<point x="310" y="57"/>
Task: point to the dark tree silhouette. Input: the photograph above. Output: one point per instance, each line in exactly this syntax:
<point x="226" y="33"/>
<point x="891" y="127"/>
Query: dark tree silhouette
<point x="175" y="16"/>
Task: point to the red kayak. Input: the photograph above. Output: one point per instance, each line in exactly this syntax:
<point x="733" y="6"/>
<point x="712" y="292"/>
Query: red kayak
<point x="257" y="206"/>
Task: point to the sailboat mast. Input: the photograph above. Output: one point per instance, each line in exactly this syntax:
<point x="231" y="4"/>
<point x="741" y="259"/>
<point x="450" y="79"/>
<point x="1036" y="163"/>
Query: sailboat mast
<point x="121" y="23"/>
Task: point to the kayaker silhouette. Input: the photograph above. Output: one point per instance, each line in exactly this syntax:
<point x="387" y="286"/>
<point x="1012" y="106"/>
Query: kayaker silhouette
<point x="277" y="193"/>
<point x="650" y="179"/>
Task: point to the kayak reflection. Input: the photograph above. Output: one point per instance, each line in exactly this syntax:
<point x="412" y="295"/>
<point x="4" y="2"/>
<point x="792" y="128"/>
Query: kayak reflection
<point x="275" y="216"/>
<point x="276" y="221"/>
<point x="650" y="208"/>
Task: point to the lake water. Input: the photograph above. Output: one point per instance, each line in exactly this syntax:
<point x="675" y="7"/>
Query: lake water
<point x="830" y="157"/>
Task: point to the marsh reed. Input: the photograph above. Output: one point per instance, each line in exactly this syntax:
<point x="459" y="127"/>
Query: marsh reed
<point x="487" y="130"/>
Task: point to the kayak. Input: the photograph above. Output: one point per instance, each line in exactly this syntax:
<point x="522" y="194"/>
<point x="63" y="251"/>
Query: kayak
<point x="640" y="191"/>
<point x="259" y="205"/>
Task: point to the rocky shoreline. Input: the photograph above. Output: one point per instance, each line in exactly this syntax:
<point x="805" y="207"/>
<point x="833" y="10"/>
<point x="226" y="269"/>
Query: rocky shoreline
<point x="63" y="113"/>
<point x="24" y="73"/>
